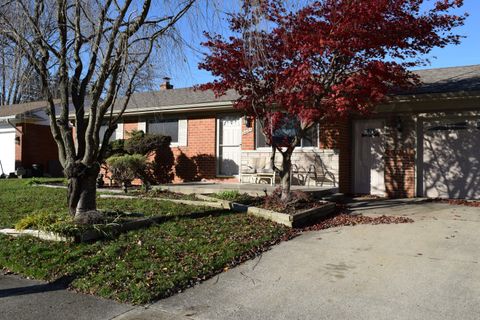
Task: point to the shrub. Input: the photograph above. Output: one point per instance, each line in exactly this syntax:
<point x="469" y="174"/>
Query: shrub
<point x="156" y="170"/>
<point x="145" y="143"/>
<point x="116" y="148"/>
<point x="127" y="167"/>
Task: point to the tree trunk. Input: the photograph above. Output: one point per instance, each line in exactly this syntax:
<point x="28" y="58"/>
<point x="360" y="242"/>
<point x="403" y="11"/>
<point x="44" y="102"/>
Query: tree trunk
<point x="285" y="175"/>
<point x="82" y="192"/>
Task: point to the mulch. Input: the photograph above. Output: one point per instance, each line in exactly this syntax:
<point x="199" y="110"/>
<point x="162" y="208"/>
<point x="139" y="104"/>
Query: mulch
<point x="458" y="202"/>
<point x="343" y="217"/>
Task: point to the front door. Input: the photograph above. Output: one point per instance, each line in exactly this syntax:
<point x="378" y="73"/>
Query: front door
<point x="369" y="157"/>
<point x="229" y="144"/>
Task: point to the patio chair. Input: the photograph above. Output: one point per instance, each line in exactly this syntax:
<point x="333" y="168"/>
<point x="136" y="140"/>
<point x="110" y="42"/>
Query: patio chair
<point x="298" y="173"/>
<point x="318" y="174"/>
<point x="249" y="172"/>
<point x="265" y="171"/>
<point x="258" y="170"/>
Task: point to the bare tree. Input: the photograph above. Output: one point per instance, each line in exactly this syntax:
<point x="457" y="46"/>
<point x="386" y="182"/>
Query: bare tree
<point x="18" y="79"/>
<point x="98" y="50"/>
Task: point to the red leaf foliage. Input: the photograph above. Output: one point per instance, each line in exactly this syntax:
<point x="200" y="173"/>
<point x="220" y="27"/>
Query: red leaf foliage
<point x="330" y="59"/>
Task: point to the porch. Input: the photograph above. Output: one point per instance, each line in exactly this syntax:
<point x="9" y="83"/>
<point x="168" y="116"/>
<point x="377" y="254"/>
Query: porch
<point x="251" y="189"/>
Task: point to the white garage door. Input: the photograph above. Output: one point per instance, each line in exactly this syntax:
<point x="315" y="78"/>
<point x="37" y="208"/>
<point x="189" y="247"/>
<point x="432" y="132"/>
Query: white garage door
<point x="451" y="159"/>
<point x="7" y="148"/>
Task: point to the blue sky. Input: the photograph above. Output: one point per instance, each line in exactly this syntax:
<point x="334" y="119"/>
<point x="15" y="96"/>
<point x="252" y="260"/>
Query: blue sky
<point x="184" y="71"/>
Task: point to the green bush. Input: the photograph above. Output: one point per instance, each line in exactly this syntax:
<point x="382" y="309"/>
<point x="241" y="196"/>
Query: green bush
<point x="156" y="149"/>
<point x="145" y="143"/>
<point x="127" y="167"/>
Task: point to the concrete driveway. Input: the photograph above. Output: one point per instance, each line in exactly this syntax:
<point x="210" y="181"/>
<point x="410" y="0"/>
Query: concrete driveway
<point x="429" y="269"/>
<point x="426" y="270"/>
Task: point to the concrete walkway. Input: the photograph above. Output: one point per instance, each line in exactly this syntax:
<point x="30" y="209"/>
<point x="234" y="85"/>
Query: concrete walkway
<point x="426" y="270"/>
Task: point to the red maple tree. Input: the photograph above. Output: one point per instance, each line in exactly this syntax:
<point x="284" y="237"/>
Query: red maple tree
<point x="326" y="61"/>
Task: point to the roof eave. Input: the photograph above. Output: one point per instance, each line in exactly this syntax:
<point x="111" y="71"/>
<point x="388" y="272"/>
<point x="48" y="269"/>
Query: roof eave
<point x="430" y="102"/>
<point x="195" y="107"/>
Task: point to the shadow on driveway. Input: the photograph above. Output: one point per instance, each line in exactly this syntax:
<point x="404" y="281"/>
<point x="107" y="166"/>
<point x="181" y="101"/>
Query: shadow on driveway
<point x="59" y="284"/>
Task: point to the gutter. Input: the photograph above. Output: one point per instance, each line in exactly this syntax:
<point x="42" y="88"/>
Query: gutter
<point x="196" y="107"/>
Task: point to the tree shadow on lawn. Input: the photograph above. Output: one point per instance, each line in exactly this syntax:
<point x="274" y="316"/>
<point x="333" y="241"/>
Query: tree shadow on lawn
<point x="195" y="215"/>
<point x="61" y="283"/>
<point x="143" y="224"/>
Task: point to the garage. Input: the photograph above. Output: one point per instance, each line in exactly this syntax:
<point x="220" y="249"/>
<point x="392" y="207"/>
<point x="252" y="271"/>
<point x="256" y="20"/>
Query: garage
<point x="7" y="148"/>
<point x="451" y="153"/>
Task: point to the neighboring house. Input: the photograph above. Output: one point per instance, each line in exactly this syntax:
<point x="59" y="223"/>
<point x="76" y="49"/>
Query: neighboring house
<point x="26" y="140"/>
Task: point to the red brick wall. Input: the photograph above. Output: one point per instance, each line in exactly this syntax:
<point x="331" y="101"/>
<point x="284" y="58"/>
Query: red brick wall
<point x="18" y="146"/>
<point x="329" y="135"/>
<point x="248" y="136"/>
<point x="128" y="126"/>
<point x="337" y="135"/>
<point x="197" y="160"/>
<point x="36" y="146"/>
<point x="400" y="173"/>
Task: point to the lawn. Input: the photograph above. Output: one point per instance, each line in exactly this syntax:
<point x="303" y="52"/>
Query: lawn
<point x="139" y="266"/>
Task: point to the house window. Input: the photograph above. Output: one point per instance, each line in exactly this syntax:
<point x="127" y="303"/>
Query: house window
<point x="102" y="131"/>
<point x="310" y="139"/>
<point x="166" y="127"/>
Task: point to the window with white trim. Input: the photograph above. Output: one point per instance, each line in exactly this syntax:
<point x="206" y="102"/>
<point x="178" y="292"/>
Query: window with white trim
<point x="309" y="140"/>
<point x="166" y="127"/>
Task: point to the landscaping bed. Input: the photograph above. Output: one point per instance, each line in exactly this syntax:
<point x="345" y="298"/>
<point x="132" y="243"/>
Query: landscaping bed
<point x="137" y="266"/>
<point x="300" y="210"/>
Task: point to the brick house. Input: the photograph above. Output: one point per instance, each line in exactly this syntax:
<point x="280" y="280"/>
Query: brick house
<point x="26" y="140"/>
<point x="424" y="142"/>
<point x="420" y="143"/>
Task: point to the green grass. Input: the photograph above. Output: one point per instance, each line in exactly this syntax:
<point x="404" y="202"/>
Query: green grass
<point x="139" y="266"/>
<point x="236" y="196"/>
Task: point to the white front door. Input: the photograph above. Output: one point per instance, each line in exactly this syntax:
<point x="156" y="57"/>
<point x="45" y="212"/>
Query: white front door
<point x="229" y="144"/>
<point x="369" y="154"/>
<point x="7" y="149"/>
<point x="451" y="159"/>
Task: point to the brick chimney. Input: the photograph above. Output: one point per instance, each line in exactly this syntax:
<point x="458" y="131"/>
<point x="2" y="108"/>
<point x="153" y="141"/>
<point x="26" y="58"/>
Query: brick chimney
<point x="166" y="84"/>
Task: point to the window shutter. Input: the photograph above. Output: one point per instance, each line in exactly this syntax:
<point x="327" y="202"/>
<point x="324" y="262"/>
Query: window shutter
<point x="142" y="125"/>
<point x="119" y="131"/>
<point x="182" y="132"/>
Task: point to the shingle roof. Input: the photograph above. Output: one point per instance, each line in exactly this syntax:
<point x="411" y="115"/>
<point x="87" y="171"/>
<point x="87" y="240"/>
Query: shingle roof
<point x="440" y="80"/>
<point x="172" y="98"/>
<point x="448" y="80"/>
<point x="21" y="108"/>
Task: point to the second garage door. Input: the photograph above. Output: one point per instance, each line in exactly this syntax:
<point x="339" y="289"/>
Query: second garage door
<point x="451" y="165"/>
